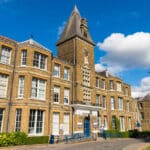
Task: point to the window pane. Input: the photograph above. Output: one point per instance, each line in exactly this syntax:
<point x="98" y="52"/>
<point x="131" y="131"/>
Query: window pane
<point x="1" y="118"/>
<point x="5" y="55"/>
<point x="18" y="119"/>
<point x="3" y="85"/>
<point x="23" y="57"/>
<point x="56" y="70"/>
<point x="66" y="96"/>
<point x="56" y="94"/>
<point x="66" y="124"/>
<point x="66" y="73"/>
<point x="21" y="86"/>
<point x="55" y="130"/>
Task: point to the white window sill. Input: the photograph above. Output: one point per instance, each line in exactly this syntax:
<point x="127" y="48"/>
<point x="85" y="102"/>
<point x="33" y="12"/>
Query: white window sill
<point x="66" y="103"/>
<point x="56" y="103"/>
<point x="8" y="64"/>
<point x="34" y="134"/>
<point x="40" y="69"/>
<point x="37" y="99"/>
<point x="3" y="97"/>
<point x="20" y="98"/>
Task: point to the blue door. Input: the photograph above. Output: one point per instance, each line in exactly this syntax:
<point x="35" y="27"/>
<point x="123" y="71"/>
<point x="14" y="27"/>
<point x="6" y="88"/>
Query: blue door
<point x="87" y="127"/>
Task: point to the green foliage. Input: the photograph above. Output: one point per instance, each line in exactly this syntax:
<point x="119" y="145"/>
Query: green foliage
<point x="137" y="134"/>
<point x="147" y="148"/>
<point x="38" y="140"/>
<point x="117" y="124"/>
<point x="20" y="138"/>
<point x="116" y="134"/>
<point x="14" y="138"/>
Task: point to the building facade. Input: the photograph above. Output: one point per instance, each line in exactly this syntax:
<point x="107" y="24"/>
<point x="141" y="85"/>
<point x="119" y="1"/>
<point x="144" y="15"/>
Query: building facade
<point x="42" y="95"/>
<point x="144" y="109"/>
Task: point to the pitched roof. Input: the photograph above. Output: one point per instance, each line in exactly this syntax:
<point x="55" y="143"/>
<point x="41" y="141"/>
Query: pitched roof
<point x="34" y="43"/>
<point x="73" y="28"/>
<point x="147" y="97"/>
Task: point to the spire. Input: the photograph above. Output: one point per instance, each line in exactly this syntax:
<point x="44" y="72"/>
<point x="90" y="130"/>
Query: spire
<point x="76" y="26"/>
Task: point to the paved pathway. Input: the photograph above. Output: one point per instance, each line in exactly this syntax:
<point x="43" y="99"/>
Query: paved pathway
<point x="114" y="144"/>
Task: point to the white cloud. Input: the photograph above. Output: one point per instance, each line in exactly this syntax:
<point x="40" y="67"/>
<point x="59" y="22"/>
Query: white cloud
<point x="61" y="28"/>
<point x="99" y="67"/>
<point x="126" y="52"/>
<point x="143" y="89"/>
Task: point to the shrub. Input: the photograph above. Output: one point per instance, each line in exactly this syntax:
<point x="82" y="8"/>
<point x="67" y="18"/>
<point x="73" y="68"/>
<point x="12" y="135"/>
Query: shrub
<point x="137" y="134"/>
<point x="38" y="140"/>
<point x="14" y="138"/>
<point x="117" y="134"/>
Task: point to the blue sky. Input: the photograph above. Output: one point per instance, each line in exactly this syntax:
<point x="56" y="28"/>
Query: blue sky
<point x="120" y="29"/>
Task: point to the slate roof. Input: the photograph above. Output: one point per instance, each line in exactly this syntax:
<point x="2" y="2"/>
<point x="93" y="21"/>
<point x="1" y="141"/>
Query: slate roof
<point x="73" y="28"/>
<point x="34" y="43"/>
<point x="147" y="97"/>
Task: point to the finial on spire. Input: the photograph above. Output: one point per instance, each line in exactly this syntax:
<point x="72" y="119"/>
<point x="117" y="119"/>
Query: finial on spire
<point x="75" y="9"/>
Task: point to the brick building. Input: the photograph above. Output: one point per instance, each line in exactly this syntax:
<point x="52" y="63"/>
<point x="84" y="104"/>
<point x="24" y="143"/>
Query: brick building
<point x="144" y="109"/>
<point x="41" y="94"/>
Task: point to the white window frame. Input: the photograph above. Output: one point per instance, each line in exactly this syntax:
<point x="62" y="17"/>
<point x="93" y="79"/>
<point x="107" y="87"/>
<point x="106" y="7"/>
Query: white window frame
<point x="56" y="72"/>
<point x="39" y="60"/>
<point x="18" y="120"/>
<point x="55" y="125"/>
<point x="122" y="124"/>
<point x="5" y="57"/>
<point x="66" y="96"/>
<point x="86" y="76"/>
<point x="24" y="57"/>
<point x="120" y="103"/>
<point x="66" y="124"/>
<point x="103" y="84"/>
<point x="2" y="118"/>
<point x="34" y="122"/>
<point x="3" y="85"/>
<point x="98" y="99"/>
<point x="105" y="122"/>
<point x="56" y="91"/>
<point x="21" y="87"/>
<point x="66" y="73"/>
<point x="119" y="87"/>
<point x="37" y="88"/>
<point x="111" y="84"/>
<point x="112" y="99"/>
<point x="129" y="123"/>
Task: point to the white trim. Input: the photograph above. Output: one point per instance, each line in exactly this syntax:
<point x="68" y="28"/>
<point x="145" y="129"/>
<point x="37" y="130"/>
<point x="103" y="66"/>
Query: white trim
<point x="85" y="107"/>
<point x="78" y="132"/>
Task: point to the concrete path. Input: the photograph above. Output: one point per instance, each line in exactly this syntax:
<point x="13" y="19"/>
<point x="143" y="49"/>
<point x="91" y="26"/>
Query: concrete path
<point x="100" y="144"/>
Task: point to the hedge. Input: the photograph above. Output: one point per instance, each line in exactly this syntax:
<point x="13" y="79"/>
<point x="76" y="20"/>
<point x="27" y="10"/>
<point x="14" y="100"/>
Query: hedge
<point x="126" y="134"/>
<point x="37" y="140"/>
<point x="21" y="138"/>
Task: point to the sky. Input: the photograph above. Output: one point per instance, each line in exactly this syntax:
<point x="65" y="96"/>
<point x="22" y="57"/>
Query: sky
<point x="120" y="29"/>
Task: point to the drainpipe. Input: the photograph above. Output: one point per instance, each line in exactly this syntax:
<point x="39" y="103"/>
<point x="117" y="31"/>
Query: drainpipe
<point x="11" y="90"/>
<point x="73" y="82"/>
<point x="50" y="96"/>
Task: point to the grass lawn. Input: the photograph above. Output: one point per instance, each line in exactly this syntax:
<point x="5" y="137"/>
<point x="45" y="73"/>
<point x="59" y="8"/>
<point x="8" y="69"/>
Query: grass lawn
<point x="147" y="148"/>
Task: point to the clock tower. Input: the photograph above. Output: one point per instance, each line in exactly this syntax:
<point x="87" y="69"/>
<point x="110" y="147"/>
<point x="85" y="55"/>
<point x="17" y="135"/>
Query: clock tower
<point x="77" y="47"/>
